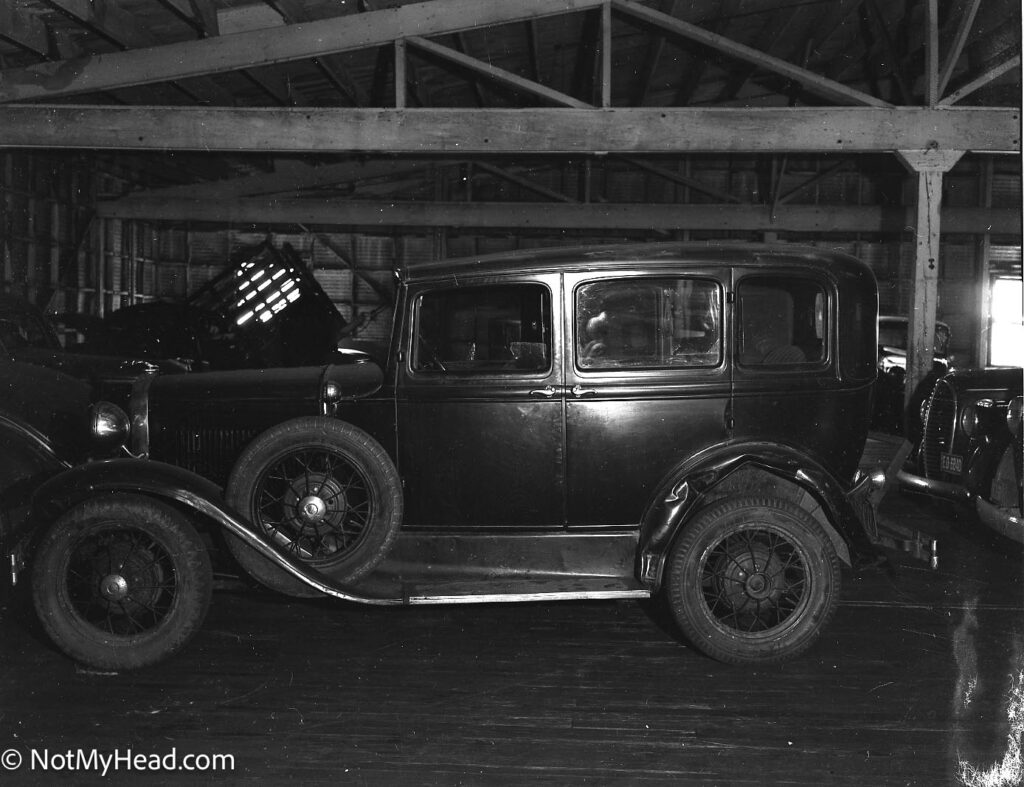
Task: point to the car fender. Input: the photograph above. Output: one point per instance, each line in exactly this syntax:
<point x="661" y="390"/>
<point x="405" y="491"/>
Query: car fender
<point x="694" y="481"/>
<point x="189" y="491"/>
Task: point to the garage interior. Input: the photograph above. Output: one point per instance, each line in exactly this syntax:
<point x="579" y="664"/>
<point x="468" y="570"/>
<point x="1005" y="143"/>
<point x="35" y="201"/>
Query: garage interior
<point x="143" y="142"/>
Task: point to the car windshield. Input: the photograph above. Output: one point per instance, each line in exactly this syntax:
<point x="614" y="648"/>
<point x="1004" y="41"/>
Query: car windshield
<point x="894" y="335"/>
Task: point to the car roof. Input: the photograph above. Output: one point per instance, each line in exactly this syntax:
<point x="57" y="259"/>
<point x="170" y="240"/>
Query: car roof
<point x="663" y="254"/>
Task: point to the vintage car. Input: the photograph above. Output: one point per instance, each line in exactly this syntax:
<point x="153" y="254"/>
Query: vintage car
<point x="971" y="443"/>
<point x="123" y="577"/>
<point x="580" y="423"/>
<point x="892" y="413"/>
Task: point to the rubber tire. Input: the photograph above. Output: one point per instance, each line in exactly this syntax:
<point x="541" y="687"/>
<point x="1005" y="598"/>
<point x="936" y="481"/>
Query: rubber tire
<point x="358" y="448"/>
<point x="709" y="527"/>
<point x="87" y="643"/>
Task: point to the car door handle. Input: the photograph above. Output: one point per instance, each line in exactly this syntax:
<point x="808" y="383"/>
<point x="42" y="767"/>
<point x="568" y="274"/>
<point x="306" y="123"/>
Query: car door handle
<point x="579" y="390"/>
<point x="547" y="392"/>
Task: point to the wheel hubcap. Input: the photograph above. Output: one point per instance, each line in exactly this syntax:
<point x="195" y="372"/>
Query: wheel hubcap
<point x="114" y="587"/>
<point x="121" y="581"/>
<point x="753" y="580"/>
<point x="313" y="503"/>
<point x="758" y="586"/>
<point x="312" y="509"/>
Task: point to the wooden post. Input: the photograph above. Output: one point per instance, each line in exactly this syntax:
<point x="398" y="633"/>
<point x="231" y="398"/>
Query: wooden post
<point x="929" y="166"/>
<point x="606" y="55"/>
<point x="400" y="74"/>
<point x="983" y="249"/>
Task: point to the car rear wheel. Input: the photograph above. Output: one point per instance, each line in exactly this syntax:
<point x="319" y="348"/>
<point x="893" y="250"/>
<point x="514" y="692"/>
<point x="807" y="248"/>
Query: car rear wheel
<point x="753" y="580"/>
<point x="121" y="582"/>
<point x="322" y="491"/>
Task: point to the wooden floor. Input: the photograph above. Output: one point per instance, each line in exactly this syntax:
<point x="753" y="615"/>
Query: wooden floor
<point x="911" y="683"/>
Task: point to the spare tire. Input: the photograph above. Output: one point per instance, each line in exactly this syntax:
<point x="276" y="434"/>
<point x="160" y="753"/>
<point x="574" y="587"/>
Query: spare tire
<point x="323" y="491"/>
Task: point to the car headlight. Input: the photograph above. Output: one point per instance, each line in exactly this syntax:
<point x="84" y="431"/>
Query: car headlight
<point x="1013" y="415"/>
<point x="970" y="418"/>
<point x="110" y="425"/>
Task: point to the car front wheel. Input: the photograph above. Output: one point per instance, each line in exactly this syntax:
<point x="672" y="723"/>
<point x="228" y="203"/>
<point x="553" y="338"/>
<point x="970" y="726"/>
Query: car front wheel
<point x="121" y="582"/>
<point x="322" y="491"/>
<point x="753" y="580"/>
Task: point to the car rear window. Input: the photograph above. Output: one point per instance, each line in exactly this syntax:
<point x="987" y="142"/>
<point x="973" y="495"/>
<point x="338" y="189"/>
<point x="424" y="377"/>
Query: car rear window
<point x="782" y="321"/>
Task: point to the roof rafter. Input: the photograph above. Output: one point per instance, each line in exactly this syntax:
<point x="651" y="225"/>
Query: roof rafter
<point x="499" y="75"/>
<point x="811" y="81"/>
<point x="302" y="41"/>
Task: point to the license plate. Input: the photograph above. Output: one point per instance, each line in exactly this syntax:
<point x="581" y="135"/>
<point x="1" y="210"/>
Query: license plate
<point x="952" y="463"/>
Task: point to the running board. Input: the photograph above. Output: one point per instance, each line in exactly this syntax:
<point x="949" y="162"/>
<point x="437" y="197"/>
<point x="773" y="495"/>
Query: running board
<point x="524" y="590"/>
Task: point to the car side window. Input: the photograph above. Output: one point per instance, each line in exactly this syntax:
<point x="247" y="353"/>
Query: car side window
<point x="782" y="321"/>
<point x="648" y="323"/>
<point x="484" y="330"/>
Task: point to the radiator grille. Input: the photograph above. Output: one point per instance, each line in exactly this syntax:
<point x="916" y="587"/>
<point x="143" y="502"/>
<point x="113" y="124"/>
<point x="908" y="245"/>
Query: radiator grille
<point x="939" y="429"/>
<point x="205" y="449"/>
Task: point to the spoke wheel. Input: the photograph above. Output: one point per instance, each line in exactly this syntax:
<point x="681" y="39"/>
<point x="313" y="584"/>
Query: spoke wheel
<point x="121" y="582"/>
<point x="753" y="580"/>
<point x="320" y="490"/>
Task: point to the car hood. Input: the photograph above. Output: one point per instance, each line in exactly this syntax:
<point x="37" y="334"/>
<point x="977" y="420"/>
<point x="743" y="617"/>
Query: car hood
<point x="354" y="379"/>
<point x="995" y="382"/>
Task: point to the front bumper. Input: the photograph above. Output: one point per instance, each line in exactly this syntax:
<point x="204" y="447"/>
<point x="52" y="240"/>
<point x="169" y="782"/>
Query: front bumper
<point x="933" y="487"/>
<point x="1002" y="521"/>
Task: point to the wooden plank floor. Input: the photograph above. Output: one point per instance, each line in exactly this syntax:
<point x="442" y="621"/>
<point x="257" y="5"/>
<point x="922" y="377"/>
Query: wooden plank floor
<point x="911" y="680"/>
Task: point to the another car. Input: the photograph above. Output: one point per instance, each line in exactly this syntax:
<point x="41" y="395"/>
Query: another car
<point x="892" y="413"/>
<point x="121" y="576"/>
<point x="993" y="472"/>
<point x="600" y="422"/>
<point x="27" y="336"/>
<point x="970" y="448"/>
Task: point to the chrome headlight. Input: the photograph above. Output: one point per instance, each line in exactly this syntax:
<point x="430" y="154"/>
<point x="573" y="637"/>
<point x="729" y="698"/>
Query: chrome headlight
<point x="1013" y="415"/>
<point x="110" y="425"/>
<point x="969" y="418"/>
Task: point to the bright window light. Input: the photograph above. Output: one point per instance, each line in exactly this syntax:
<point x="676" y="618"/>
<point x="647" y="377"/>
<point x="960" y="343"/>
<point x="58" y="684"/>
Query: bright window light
<point x="1007" y="336"/>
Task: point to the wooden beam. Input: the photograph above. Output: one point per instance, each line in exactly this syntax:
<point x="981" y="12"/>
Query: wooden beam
<point x="606" y="55"/>
<point x="264" y="47"/>
<point x="496" y="74"/>
<point x="976" y="84"/>
<point x="23" y="30"/>
<point x="296" y="12"/>
<point x="525" y="183"/>
<point x="574" y="131"/>
<point x="812" y="82"/>
<point x="555" y="215"/>
<point x="292" y="177"/>
<point x="122" y="30"/>
<point x="931" y="54"/>
<point x="383" y="293"/>
<point x="966" y="23"/>
<point x="682" y="180"/>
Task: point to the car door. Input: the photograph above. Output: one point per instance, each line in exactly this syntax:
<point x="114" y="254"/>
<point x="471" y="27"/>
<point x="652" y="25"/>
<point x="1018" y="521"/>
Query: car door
<point x="786" y="385"/>
<point x="479" y="404"/>
<point x="647" y="385"/>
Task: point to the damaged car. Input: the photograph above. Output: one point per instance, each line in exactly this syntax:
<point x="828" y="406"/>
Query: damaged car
<point x="680" y="420"/>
